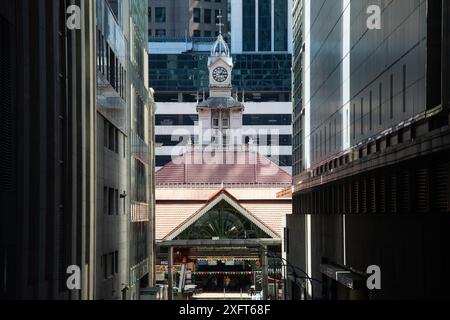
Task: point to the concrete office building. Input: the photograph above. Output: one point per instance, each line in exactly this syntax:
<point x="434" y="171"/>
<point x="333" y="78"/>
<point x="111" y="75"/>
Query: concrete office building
<point x="371" y="149"/>
<point x="124" y="151"/>
<point x="76" y="117"/>
<point x="185" y="18"/>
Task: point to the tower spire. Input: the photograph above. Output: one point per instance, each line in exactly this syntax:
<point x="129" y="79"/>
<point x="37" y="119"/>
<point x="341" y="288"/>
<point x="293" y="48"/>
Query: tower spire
<point x="220" y="24"/>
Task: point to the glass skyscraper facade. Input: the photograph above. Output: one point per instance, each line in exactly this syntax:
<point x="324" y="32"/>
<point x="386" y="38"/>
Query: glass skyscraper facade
<point x="252" y="73"/>
<point x="264" y="20"/>
<point x="248" y="25"/>
<point x="365" y="189"/>
<point x="264" y="25"/>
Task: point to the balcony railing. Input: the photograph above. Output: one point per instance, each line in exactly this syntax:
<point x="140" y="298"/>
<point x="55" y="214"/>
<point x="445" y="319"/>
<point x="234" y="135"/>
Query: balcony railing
<point x="139" y="211"/>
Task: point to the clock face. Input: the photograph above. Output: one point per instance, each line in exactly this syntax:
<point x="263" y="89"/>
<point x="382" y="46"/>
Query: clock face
<point x="220" y="74"/>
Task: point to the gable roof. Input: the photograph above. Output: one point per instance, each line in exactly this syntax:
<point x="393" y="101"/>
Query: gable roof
<point x="231" y="167"/>
<point x="211" y="203"/>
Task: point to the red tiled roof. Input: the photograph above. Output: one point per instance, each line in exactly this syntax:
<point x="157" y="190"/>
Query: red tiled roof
<point x="218" y="167"/>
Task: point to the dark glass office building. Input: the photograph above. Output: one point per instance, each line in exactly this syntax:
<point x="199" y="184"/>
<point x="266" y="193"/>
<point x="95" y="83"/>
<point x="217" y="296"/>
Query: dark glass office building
<point x="69" y="150"/>
<point x="269" y="75"/>
<point x="371" y="153"/>
<point x="46" y="151"/>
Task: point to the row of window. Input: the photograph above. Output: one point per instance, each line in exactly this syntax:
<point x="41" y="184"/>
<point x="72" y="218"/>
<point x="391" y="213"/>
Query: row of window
<point x="280" y="160"/>
<point x="265" y="140"/>
<point x="271" y="140"/>
<point x="267" y="119"/>
<point x="207" y="16"/>
<point x="160" y="15"/>
<point x="176" y="119"/>
<point x="248" y="120"/>
<point x="110" y="264"/>
<point x="171" y="141"/>
<point x="110" y="66"/>
<point x="111" y="199"/>
<point x="197" y="33"/>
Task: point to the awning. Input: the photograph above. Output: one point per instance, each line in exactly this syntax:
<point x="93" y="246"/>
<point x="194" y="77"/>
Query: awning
<point x="221" y="242"/>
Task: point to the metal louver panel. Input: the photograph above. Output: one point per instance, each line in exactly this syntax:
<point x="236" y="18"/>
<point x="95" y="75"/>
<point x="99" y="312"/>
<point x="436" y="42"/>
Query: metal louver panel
<point x="421" y="190"/>
<point x="6" y="112"/>
<point x="441" y="188"/>
<point x="392" y="194"/>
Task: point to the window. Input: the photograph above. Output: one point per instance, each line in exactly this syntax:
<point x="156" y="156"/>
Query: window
<point x="392" y="97"/>
<point x="248" y="25"/>
<point x="160" y="32"/>
<point x="111" y="202"/>
<point x="362" y="116"/>
<point x="197" y="15"/>
<point x="116" y="201"/>
<point x="404" y="88"/>
<point x="197" y="33"/>
<point x="370" y="111"/>
<point x="105" y="266"/>
<point x="354" y="121"/>
<point x="149" y="15"/>
<point x="160" y="14"/>
<point x="264" y="25"/>
<point x="207" y="33"/>
<point x="380" y="104"/>
<point x="215" y="123"/>
<point x="116" y="261"/>
<point x="225" y="123"/>
<point x="111" y="138"/>
<point x="434" y="50"/>
<point x="161" y="161"/>
<point x="105" y="201"/>
<point x="207" y="17"/>
<point x="112" y="266"/>
<point x="105" y="133"/>
<point x="280" y="28"/>
<point x="124" y="148"/>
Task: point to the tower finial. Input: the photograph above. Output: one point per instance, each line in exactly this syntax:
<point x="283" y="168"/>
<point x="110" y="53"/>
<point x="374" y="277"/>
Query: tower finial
<point x="220" y="24"/>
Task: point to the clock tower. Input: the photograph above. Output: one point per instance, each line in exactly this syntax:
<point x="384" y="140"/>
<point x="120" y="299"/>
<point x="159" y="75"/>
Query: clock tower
<point x="220" y="116"/>
<point x="220" y="65"/>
